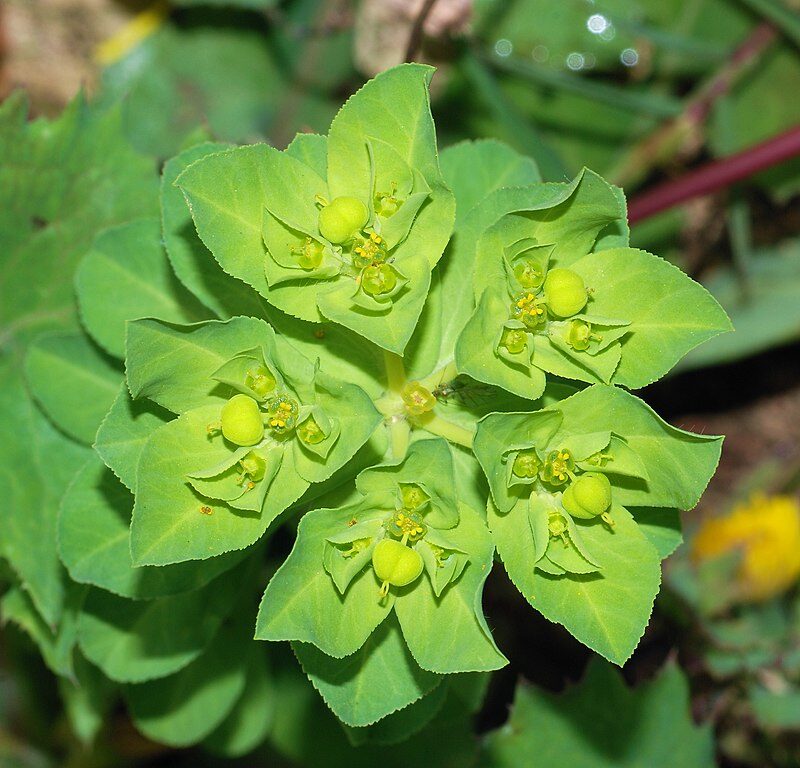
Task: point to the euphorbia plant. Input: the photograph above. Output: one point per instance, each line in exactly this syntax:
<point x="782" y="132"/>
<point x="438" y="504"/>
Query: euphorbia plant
<point x="416" y="359"/>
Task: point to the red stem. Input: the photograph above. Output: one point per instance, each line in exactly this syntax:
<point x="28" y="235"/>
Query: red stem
<point x="717" y="175"/>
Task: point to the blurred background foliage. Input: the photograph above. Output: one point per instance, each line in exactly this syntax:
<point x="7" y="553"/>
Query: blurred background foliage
<point x="644" y="92"/>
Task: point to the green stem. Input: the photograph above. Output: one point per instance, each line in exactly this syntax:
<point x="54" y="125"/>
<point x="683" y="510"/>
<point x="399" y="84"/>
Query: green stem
<point x="446" y="429"/>
<point x="395" y="372"/>
<point x="399" y="435"/>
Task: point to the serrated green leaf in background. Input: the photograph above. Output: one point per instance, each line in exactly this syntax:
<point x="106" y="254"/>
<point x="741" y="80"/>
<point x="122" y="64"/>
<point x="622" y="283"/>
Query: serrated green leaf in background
<point x="94" y="542"/>
<point x="184" y="708"/>
<point x="380" y="678"/>
<point x="601" y="723"/>
<point x="126" y="276"/>
<point x="48" y="460"/>
<point x="249" y="722"/>
<point x="73" y="381"/>
<point x="135" y="641"/>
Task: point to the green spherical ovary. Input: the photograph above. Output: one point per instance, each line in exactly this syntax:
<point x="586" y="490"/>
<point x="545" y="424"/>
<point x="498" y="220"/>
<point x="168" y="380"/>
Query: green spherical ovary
<point x="589" y="496"/>
<point x="340" y="220"/>
<point x="395" y="563"/>
<point x="564" y="292"/>
<point x="526" y="464"/>
<point x="241" y="421"/>
<point x="378" y="279"/>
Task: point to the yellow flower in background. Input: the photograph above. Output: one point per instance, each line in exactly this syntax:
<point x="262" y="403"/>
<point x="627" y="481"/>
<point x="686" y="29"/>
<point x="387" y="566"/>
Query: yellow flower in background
<point x="766" y="532"/>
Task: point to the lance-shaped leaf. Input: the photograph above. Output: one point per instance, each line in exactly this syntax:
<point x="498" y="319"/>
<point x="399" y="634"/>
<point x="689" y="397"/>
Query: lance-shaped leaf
<point x="126" y="275"/>
<point x="301" y="601"/>
<point x="73" y="380"/>
<point x="190" y="259"/>
<point x="94" y="542"/>
<point x="567" y="216"/>
<point x="670" y="314"/>
<point x="380" y="678"/>
<point x="134" y="641"/>
<point x="449" y="633"/>
<point x="609" y="610"/>
<point x="171" y="521"/>
<point x="124" y="432"/>
<point x="184" y="708"/>
<point x="175" y="364"/>
<point x="477" y="350"/>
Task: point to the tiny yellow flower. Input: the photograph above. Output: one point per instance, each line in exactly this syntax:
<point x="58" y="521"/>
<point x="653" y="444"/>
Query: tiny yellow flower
<point x="766" y="532"/>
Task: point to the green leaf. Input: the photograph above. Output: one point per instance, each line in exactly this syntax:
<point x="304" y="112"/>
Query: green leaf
<point x="226" y="193"/>
<point x="449" y="633"/>
<point x="570" y="216"/>
<point x="192" y="261"/>
<point x="311" y="149"/>
<point x="394" y="107"/>
<point x="661" y="526"/>
<point x="94" y="542"/>
<point x="391" y="329"/>
<point x="126" y="275"/>
<point x="48" y="461"/>
<point x="184" y="708"/>
<point x="608" y="611"/>
<point x="249" y="722"/>
<point x="670" y="314"/>
<point x="135" y="641"/>
<point x="174" y="364"/>
<point x="381" y="678"/>
<point x="301" y="601"/>
<point x="400" y="725"/>
<point x="601" y="723"/>
<point x="679" y="464"/>
<point x="73" y="381"/>
<point x="477" y="356"/>
<point x="48" y="224"/>
<point x="87" y="697"/>
<point x="56" y="646"/>
<point x="212" y="69"/>
<point x="474" y="169"/>
<point x="124" y="432"/>
<point x="171" y="521"/>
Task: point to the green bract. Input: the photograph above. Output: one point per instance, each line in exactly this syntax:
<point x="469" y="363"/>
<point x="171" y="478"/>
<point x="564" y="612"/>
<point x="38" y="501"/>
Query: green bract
<point x="284" y="347"/>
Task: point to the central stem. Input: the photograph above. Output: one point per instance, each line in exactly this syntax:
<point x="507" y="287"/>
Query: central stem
<point x="395" y="372"/>
<point x="446" y="429"/>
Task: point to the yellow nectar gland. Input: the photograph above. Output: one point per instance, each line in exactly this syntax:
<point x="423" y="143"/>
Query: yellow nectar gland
<point x="282" y="414"/>
<point x="372" y="250"/>
<point x="407" y="525"/>
<point x="528" y="310"/>
<point x="558" y="467"/>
